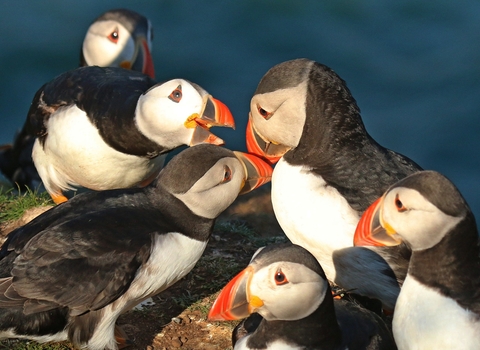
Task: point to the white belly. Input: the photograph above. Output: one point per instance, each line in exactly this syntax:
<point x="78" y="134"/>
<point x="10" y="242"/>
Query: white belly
<point x="276" y="345"/>
<point x="312" y="215"/>
<point x="75" y="154"/>
<point x="173" y="256"/>
<point x="424" y="319"/>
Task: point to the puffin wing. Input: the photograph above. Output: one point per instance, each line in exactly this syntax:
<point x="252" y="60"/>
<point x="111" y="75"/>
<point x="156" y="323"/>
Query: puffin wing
<point x="78" y="206"/>
<point x="84" y="263"/>
<point x="387" y="166"/>
<point x="361" y="328"/>
<point x="108" y="96"/>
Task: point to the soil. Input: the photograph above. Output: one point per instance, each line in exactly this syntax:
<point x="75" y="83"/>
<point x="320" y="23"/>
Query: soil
<point x="177" y="317"/>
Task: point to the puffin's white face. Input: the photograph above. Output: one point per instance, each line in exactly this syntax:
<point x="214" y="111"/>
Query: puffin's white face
<point x="165" y="113"/>
<point x="420" y="223"/>
<point x="217" y="189"/>
<point x="289" y="291"/>
<point x="279" y="116"/>
<point x="108" y="44"/>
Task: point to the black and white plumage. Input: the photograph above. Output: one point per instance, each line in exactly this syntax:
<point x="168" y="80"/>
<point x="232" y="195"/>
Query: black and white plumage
<point x="439" y="304"/>
<point x="117" y="38"/>
<point x="287" y="287"/>
<point x="106" y="128"/>
<point x="330" y="170"/>
<point x="73" y="270"/>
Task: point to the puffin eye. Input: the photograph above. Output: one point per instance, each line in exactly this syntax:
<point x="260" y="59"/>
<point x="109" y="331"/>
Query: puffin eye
<point x="280" y="278"/>
<point x="227" y="174"/>
<point x="398" y="203"/>
<point x="113" y="37"/>
<point x="263" y="112"/>
<point x="176" y="94"/>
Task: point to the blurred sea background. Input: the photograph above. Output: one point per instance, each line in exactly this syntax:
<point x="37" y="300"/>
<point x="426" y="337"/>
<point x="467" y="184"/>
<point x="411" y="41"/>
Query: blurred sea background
<point x="413" y="66"/>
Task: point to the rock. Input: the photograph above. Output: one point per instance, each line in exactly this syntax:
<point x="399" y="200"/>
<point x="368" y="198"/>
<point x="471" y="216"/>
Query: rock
<point x="177" y="343"/>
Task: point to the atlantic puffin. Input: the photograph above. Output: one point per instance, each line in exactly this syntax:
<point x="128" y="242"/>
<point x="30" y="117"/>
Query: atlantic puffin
<point x="287" y="288"/>
<point x="106" y="128"/>
<point x="329" y="171"/>
<point x="117" y="38"/>
<point x="439" y="304"/>
<point x="70" y="272"/>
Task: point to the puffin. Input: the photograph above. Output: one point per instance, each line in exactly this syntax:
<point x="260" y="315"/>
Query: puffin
<point x="328" y="170"/>
<point x="439" y="304"/>
<point x="288" y="297"/>
<point x="117" y="38"/>
<point x="69" y="273"/>
<point x="106" y="128"/>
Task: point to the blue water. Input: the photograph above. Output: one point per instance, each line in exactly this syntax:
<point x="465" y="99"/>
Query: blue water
<point x="413" y="66"/>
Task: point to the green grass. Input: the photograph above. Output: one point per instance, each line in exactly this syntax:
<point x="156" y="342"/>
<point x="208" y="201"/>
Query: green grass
<point x="14" y="344"/>
<point x="12" y="206"/>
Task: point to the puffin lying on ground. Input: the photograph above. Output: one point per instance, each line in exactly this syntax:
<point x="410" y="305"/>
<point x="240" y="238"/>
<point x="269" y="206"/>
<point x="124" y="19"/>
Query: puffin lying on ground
<point x="439" y="304"/>
<point x="117" y="38"/>
<point x="330" y="170"/>
<point x="106" y="128"/>
<point x="70" y="272"/>
<point x="287" y="287"/>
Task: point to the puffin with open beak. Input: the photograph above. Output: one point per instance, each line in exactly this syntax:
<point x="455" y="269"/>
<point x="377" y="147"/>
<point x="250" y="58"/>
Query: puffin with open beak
<point x="117" y="38"/>
<point x="107" y="128"/>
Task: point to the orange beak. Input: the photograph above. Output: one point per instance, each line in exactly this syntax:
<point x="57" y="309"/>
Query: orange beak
<point x="264" y="149"/>
<point x="148" y="68"/>
<point x="215" y="113"/>
<point x="258" y="172"/>
<point x="142" y="61"/>
<point x="232" y="302"/>
<point x="370" y="230"/>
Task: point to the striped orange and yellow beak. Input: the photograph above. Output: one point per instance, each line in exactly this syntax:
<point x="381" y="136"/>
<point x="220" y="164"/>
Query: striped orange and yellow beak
<point x="257" y="171"/>
<point x="234" y="301"/>
<point x="215" y="113"/>
<point x="267" y="150"/>
<point x="142" y="60"/>
<point x="372" y="230"/>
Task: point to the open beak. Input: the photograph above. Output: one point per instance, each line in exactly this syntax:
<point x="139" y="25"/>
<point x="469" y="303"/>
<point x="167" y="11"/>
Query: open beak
<point x="234" y="301"/>
<point x="215" y="113"/>
<point x="372" y="230"/>
<point x="142" y="61"/>
<point x="257" y="171"/>
<point x="256" y="144"/>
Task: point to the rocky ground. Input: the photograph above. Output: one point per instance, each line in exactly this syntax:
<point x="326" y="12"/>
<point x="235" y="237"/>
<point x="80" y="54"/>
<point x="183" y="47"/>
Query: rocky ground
<point x="177" y="317"/>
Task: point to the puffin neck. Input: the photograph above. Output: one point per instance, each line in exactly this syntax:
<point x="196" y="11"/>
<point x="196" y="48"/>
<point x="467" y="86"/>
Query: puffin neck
<point x="332" y="121"/>
<point x="179" y="215"/>
<point x="456" y="273"/>
<point x="131" y="140"/>
<point x="320" y="329"/>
